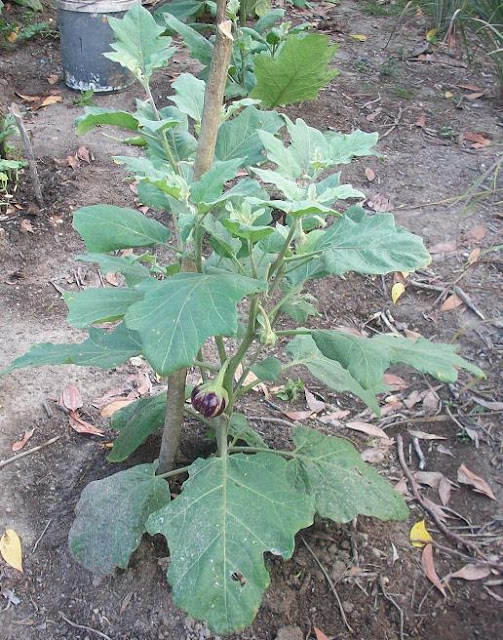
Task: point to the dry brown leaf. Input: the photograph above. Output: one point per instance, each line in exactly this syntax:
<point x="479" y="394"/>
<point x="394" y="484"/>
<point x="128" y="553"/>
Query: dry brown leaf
<point x="431" y="478"/>
<point x="465" y="476"/>
<point x="471" y="572"/>
<point x="412" y="335"/>
<point x="72" y="161"/>
<point x="395" y="382"/>
<point x="431" y="403"/>
<point x="53" y="78"/>
<point x="81" y="426"/>
<point x="109" y="410"/>
<point x="443" y="247"/>
<point x="70" y="398"/>
<point x="421" y="121"/>
<point x="379" y="203"/>
<point x="369" y="174"/>
<point x="334" y="416"/>
<point x="444" y="491"/>
<point x="376" y="455"/>
<point x="392" y="407"/>
<point x="479" y="140"/>
<point x="28" y="98"/>
<point x="313" y="403"/>
<point x="319" y="634"/>
<point x="413" y="398"/>
<point x="11" y="550"/>
<point x="84" y="154"/>
<point x="26" y="226"/>
<point x="19" y="444"/>
<point x="469" y="87"/>
<point x="298" y="416"/>
<point x="429" y="568"/>
<point x="113" y="279"/>
<point x="489" y="404"/>
<point x="445" y="450"/>
<point x="477" y="233"/>
<point x="422" y="435"/>
<point x="452" y="302"/>
<point x="372" y="116"/>
<point x="474" y="256"/>
<point x="46" y="102"/>
<point x="436" y="509"/>
<point x="475" y="96"/>
<point x="366" y="427"/>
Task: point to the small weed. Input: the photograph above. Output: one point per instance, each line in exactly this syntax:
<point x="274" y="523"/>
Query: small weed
<point x="403" y="93"/>
<point x="362" y="65"/>
<point x="291" y="390"/>
<point x="446" y="132"/>
<point x="388" y="67"/>
<point x="85" y="99"/>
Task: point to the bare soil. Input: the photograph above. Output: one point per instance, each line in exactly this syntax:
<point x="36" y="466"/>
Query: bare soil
<point x="423" y="114"/>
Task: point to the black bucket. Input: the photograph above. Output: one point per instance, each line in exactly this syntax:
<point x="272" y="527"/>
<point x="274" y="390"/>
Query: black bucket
<point x="85" y="36"/>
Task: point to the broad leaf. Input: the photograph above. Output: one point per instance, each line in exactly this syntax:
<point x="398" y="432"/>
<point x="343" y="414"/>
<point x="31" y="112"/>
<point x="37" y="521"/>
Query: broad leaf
<point x="209" y="188"/>
<point x="239" y="137"/>
<point x="139" y="46"/>
<point x="342" y="486"/>
<point x="94" y="116"/>
<point x="189" y="96"/>
<point x="106" y="228"/>
<point x="297" y="73"/>
<point x="304" y="351"/>
<point x="132" y="270"/>
<point x="104" y="349"/>
<point x="230" y="512"/>
<point x="99" y="305"/>
<point x="135" y="423"/>
<point x="198" y="45"/>
<point x="368" y="358"/>
<point x="268" y="369"/>
<point x="111" y="515"/>
<point x="240" y="429"/>
<point x="177" y="315"/>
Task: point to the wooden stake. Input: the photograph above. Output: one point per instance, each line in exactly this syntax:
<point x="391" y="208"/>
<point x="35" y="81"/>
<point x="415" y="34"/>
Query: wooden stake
<point x="32" y="164"/>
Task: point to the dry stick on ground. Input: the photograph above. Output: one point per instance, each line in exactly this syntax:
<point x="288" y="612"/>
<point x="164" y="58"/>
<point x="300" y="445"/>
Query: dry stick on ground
<point x="3" y="463"/>
<point x="213" y="99"/>
<point x="84" y="627"/>
<point x="332" y="585"/>
<point x="417" y="496"/>
<point x="32" y="164"/>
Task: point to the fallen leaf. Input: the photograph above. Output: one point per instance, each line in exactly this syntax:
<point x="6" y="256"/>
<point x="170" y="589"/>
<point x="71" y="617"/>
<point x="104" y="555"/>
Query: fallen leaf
<point x="429" y="569"/>
<point x="421" y="121"/>
<point x="313" y="403"/>
<point x="479" y="140"/>
<point x="450" y="303"/>
<point x="12" y="36"/>
<point x="431" y="403"/>
<point x="395" y="382"/>
<point x="84" y="154"/>
<point x="250" y="379"/>
<point x="448" y="95"/>
<point x="469" y="87"/>
<point x="26" y="226"/>
<point x="445" y="450"/>
<point x="397" y="291"/>
<point x="358" y="36"/>
<point x="372" y="116"/>
<point x="319" y="634"/>
<point x="70" y="398"/>
<point x="419" y="535"/>
<point x="369" y="429"/>
<point x="465" y="476"/>
<point x="392" y="407"/>
<point x="395" y="555"/>
<point x="113" y="279"/>
<point x="11" y="551"/>
<point x="444" y="490"/>
<point x="46" y="102"/>
<point x="443" y="247"/>
<point x="477" y="233"/>
<point x="474" y="256"/>
<point x="379" y="203"/>
<point x="72" y="161"/>
<point x="113" y="407"/>
<point x="430" y="35"/>
<point x="376" y="455"/>
<point x="81" y="426"/>
<point x="369" y="174"/>
<point x="471" y="572"/>
<point x="29" y="98"/>
<point x="413" y="398"/>
<point x="430" y="478"/>
<point x="475" y="96"/>
<point x="17" y="446"/>
<point x="489" y="404"/>
<point x="493" y="594"/>
<point x="436" y="509"/>
<point x="334" y="416"/>
<point x="298" y="416"/>
<point x="422" y="435"/>
<point x="53" y="78"/>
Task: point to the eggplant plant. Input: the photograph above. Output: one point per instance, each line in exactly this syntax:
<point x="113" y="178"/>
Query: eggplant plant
<point x="222" y="288"/>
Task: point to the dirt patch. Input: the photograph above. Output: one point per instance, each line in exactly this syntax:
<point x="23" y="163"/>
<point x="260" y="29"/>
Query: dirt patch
<point x="426" y="163"/>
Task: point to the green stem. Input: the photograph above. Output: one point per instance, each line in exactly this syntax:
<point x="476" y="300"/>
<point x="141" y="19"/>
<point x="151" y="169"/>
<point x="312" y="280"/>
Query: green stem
<point x="243" y="348"/>
<point x="279" y="260"/>
<point x="197" y="416"/>
<point x="206" y="365"/>
<point x="279" y="452"/>
<point x="294" y="332"/>
<point x="222" y="354"/>
<point x="175" y="472"/>
<point x="221" y="429"/>
<point x="164" y="140"/>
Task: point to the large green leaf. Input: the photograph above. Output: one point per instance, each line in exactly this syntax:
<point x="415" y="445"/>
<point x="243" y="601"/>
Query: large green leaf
<point x="111" y="515"/>
<point x="304" y="352"/>
<point x="368" y="358"/>
<point x="177" y="315"/>
<point x="105" y="228"/>
<point x="140" y="45"/>
<point x="104" y="349"/>
<point x="135" y="423"/>
<point x="363" y="243"/>
<point x="230" y="512"/>
<point x="94" y="116"/>
<point x="241" y="429"/>
<point x="297" y="73"/>
<point x="189" y="97"/>
<point x="209" y="188"/>
<point x="99" y="305"/>
<point x="342" y="486"/>
<point x="198" y="45"/>
<point x="239" y="137"/>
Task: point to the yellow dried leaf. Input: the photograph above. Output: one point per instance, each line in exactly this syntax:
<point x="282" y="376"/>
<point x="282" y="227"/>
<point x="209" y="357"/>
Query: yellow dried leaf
<point x="397" y="291"/>
<point x="419" y="536"/>
<point x="430" y="36"/>
<point x="448" y="95"/>
<point x="358" y="36"/>
<point x="12" y="37"/>
<point x="10" y="549"/>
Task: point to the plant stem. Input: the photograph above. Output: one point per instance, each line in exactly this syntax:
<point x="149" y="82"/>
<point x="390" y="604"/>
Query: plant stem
<point x="294" y="332"/>
<point x="279" y="452"/>
<point x="32" y="163"/>
<point x="164" y="140"/>
<point x="221" y="424"/>
<point x="173" y="421"/>
<point x="222" y="354"/>
<point x="173" y="472"/>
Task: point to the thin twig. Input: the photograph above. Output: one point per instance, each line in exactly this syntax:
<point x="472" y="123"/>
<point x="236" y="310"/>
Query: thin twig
<point x="83" y="626"/>
<point x="417" y="496"/>
<point x="394" y="603"/>
<point x="34" y="548"/>
<point x="30" y="156"/>
<point x="332" y="585"/>
<point x="420" y="454"/>
<point x="3" y="463"/>
<point x="280" y="421"/>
